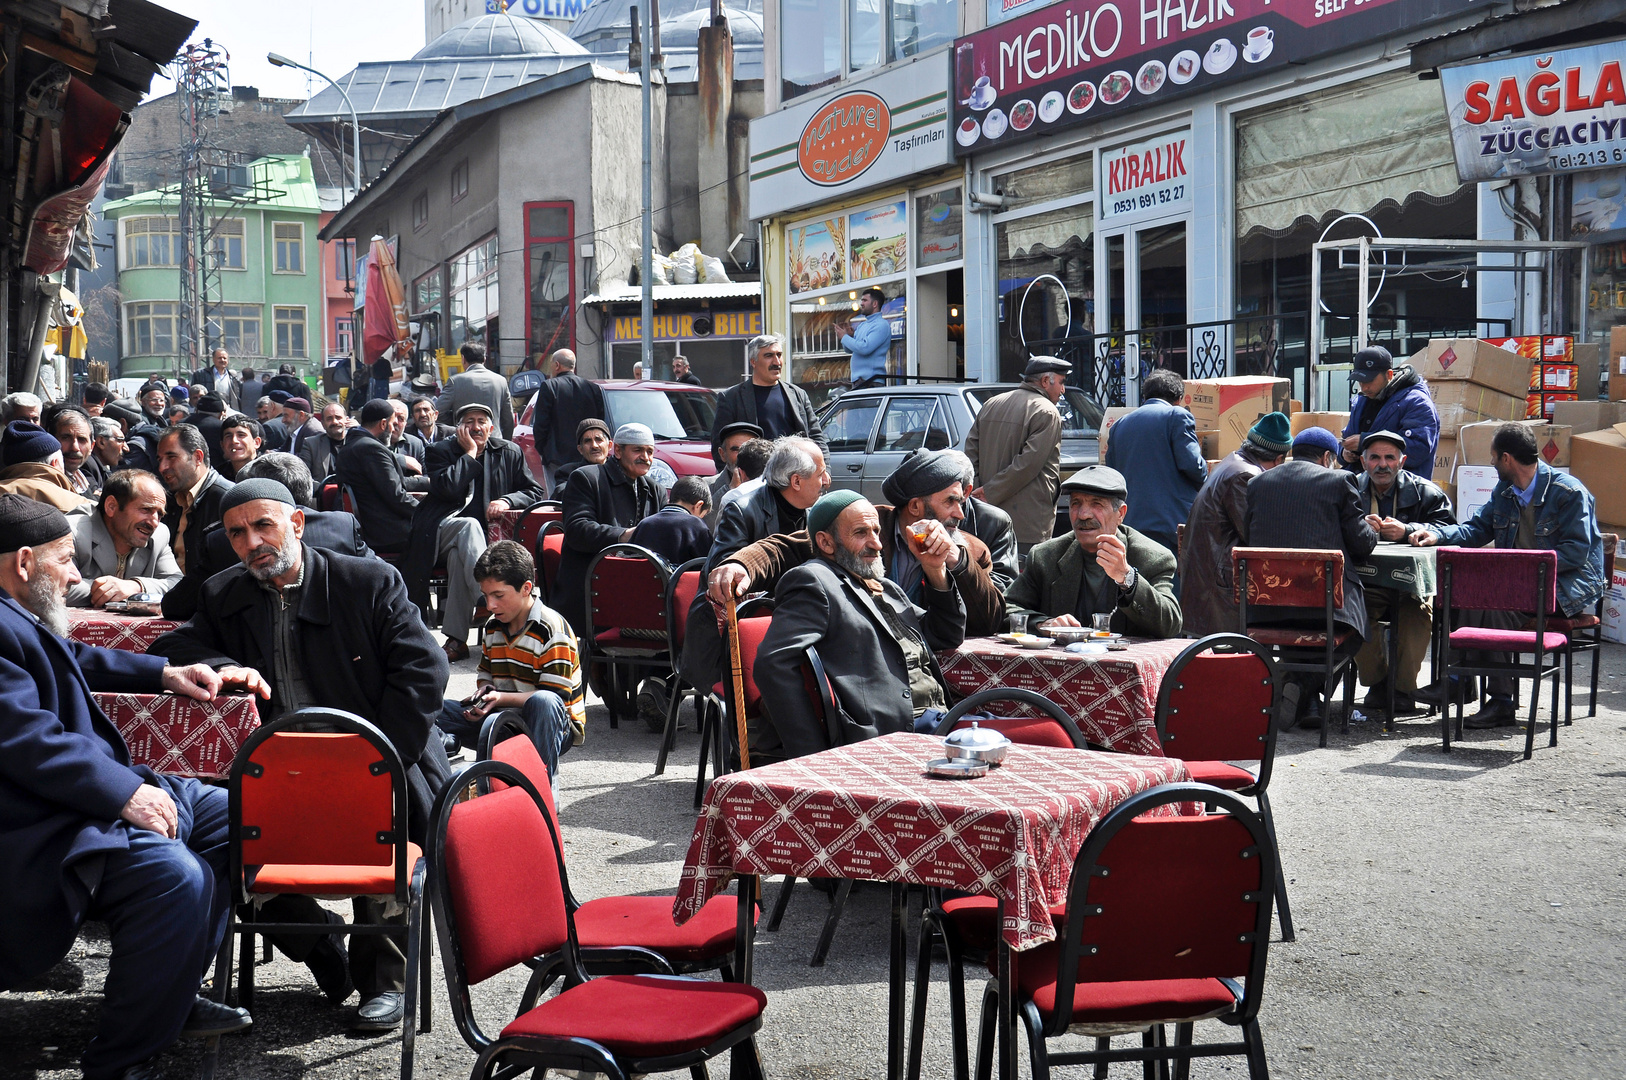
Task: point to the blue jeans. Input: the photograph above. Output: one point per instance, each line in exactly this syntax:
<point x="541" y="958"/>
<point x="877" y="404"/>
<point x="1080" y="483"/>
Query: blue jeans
<point x="544" y="716"/>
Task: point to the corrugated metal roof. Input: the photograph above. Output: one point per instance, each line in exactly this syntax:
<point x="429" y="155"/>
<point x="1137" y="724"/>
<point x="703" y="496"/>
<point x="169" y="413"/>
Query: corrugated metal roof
<point x="633" y="294"/>
<point x="283" y="180"/>
<point x="424" y="88"/>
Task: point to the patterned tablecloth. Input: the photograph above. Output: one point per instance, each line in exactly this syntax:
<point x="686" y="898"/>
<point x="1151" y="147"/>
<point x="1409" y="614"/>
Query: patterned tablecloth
<point x="182" y="736"/>
<point x="131" y="633"/>
<point x="1405" y="569"/>
<point x="504" y="524"/>
<point x="869" y="812"/>
<point x="1112" y="697"/>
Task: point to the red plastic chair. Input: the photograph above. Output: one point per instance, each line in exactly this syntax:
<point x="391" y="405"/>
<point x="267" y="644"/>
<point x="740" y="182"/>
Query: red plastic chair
<point x="1501" y="579"/>
<point x="1309" y="579"/>
<point x="332" y="496"/>
<point x="716" y="739"/>
<point x="550" y="548"/>
<point x="535" y="519"/>
<point x="1167" y="922"/>
<point x="324" y="814"/>
<point x="491" y="922"/>
<point x="685" y="584"/>
<point x="1585" y="632"/>
<point x="626" y="620"/>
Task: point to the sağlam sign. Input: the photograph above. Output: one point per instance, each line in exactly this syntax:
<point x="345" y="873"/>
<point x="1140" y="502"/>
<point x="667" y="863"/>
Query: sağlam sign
<point x="865" y="134"/>
<point x="1079" y="61"/>
<point x="1146" y="179"/>
<point x="1548" y="112"/>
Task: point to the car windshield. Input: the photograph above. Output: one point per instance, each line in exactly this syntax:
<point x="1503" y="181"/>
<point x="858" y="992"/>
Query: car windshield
<point x="1080" y="415"/>
<point x="670" y="414"/>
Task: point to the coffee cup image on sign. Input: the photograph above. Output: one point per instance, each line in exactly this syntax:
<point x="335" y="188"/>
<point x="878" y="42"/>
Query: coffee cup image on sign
<point x="968" y="131"/>
<point x="982" y="94"/>
<point x="994" y="124"/>
<point x="1261" y="39"/>
<point x="1219" y="57"/>
<point x="1050" y="106"/>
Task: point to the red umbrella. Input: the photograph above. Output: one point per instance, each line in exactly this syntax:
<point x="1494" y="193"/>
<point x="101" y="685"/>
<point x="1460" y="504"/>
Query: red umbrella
<point x="384" y="321"/>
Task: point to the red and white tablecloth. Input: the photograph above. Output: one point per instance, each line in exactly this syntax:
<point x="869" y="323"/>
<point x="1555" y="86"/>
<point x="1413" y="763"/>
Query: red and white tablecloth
<point x="182" y="736"/>
<point x="131" y="633"/>
<point x="869" y="812"/>
<point x="501" y="525"/>
<point x="1112" y="697"/>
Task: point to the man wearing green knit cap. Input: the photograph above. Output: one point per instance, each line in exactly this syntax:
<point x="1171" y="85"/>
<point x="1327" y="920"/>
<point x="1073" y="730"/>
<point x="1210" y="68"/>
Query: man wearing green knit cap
<point x="876" y="646"/>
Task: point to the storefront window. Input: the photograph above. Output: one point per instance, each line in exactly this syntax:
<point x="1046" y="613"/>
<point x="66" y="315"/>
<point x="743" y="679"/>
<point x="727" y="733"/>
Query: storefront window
<point x="939" y="227"/>
<point x="819" y="364"/>
<point x="552" y="274"/>
<point x="1046" y="283"/>
<point x="1049" y="182"/>
<point x="814" y="53"/>
<point x="811" y="53"/>
<point x="473" y="294"/>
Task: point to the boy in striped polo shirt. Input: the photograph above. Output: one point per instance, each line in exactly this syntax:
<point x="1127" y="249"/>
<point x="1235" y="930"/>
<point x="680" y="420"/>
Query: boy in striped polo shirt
<point x="528" y="662"/>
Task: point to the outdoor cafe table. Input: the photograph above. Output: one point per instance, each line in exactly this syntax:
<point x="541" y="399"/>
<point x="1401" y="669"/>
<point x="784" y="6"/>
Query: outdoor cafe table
<point x="504" y="524"/>
<point x="869" y="812"/>
<point x="182" y="736"/>
<point x="1397" y="570"/>
<point x="129" y="633"/>
<point x="1112" y="696"/>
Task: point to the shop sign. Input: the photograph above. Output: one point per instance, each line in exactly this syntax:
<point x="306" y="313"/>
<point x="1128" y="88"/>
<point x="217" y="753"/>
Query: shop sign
<point x="686" y="325"/>
<point x="848" y="249"/>
<point x="865" y="134"/>
<point x="1146" y="179"/>
<point x="1080" y="61"/>
<point x="1546" y="112"/>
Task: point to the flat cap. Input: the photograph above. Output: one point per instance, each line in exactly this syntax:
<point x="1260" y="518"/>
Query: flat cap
<point x="25" y="522"/>
<point x="1318" y="437"/>
<point x="279" y="396"/>
<point x="633" y="435"/>
<point x="1044" y="365"/>
<point x="297" y="403"/>
<point x="260" y="487"/>
<point x="464" y="410"/>
<point x="1384" y="436"/>
<point x="921" y="473"/>
<point x="738" y="427"/>
<point x="1097" y="480"/>
<point x="588" y="425"/>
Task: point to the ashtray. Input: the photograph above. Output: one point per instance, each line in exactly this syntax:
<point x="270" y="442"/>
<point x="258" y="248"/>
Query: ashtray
<point x="956" y="768"/>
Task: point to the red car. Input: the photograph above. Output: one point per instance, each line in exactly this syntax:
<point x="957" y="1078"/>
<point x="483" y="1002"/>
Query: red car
<point x="679" y="414"/>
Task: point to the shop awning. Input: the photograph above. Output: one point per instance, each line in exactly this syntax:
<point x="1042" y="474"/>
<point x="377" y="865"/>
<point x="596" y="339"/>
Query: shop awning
<point x="632" y="294"/>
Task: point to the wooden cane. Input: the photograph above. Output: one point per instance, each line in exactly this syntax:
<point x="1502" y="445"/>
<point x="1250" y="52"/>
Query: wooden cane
<point x="737" y="669"/>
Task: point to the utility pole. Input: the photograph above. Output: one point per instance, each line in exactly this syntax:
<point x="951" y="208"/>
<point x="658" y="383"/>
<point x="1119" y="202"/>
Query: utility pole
<point x="202" y="81"/>
<point x="646" y="33"/>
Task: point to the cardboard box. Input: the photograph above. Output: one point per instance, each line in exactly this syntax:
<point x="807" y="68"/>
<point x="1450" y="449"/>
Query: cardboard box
<point x="1334" y="422"/>
<point x="1474" y="485"/>
<point x="1452" y="360"/>
<point x="1589" y="365"/>
<point x="1564" y="377"/>
<point x="1210" y="441"/>
<point x="1598" y="460"/>
<point x="1552" y="442"/>
<point x="1294" y="406"/>
<point x="1460" y="403"/>
<point x="1614" y="597"/>
<point x="1616" y="363"/>
<point x="1231" y="406"/>
<point x="1445" y="461"/>
<point x="1108" y="418"/>
<point x="1584" y="416"/>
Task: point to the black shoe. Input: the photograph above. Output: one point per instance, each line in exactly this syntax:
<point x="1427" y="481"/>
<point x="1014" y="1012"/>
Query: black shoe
<point x="1442" y="694"/>
<point x="1310" y="718"/>
<point x="652" y="703"/>
<point x="1497" y="712"/>
<point x="142" y="1070"/>
<point x="381" y="1012"/>
<point x="1287" y="708"/>
<point x="210" y="1018"/>
<point x="330" y="964"/>
<point x="449" y="742"/>
<point x="1377" y="700"/>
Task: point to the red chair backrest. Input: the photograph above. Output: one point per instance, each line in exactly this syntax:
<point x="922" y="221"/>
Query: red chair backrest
<point x="1279" y="577"/>
<point x="1027" y="730"/>
<point x="531" y="524"/>
<point x="684" y="590"/>
<point x="503" y="883"/>
<point x="316" y="801"/>
<point x="330" y="497"/>
<point x="550" y="551"/>
<point x="1219" y="708"/>
<point x="520" y="752"/>
<point x="628" y="593"/>
<point x="347" y="501"/>
<point x="1500" y="579"/>
<point x="752" y="631"/>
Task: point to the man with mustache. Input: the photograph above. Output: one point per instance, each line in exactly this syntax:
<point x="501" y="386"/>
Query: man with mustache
<point x="1397" y="502"/>
<point x="778" y="407"/>
<point x="1104" y="567"/>
<point x="72" y="427"/>
<point x="876" y="645"/>
<point x="122" y="547"/>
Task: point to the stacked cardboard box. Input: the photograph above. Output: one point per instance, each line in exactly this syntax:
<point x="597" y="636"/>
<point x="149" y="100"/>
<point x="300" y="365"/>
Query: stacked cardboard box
<point x="1334" y="422"/>
<point x="1598" y="460"/>
<point x="1584" y="416"/>
<point x="1229" y="407"/>
<point x="1108" y="418"/>
<point x="1473" y="380"/>
<point x="1614" y="599"/>
<point x="1553" y="442"/>
<point x="1615" y="363"/>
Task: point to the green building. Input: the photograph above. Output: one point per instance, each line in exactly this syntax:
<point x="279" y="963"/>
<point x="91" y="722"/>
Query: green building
<point x="266" y="303"/>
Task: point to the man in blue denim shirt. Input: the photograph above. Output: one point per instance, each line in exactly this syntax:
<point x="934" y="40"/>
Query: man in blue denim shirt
<point x="1533" y="506"/>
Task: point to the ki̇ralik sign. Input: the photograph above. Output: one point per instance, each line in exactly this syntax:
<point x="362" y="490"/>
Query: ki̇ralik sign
<point x="1547" y="112"/>
<point x="1079" y="61"/>
<point x="1146" y="179"/>
<point x="862" y="135"/>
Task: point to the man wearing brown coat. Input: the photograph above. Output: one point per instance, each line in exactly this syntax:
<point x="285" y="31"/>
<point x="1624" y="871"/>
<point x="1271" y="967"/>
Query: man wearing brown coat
<point x="1015" y="443"/>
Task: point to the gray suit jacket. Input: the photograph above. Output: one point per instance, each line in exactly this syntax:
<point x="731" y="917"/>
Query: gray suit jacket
<point x="480" y="384"/>
<point x="1055" y="572"/>
<point x="153" y="566"/>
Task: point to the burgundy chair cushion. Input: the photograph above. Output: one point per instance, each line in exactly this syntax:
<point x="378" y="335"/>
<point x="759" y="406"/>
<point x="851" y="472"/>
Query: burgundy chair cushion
<point x="643" y="1016"/>
<point x="1027" y="730"/>
<point x="683" y="594"/>
<point x="1499" y="579"/>
<point x="632" y="639"/>
<point x="1296" y="637"/>
<point x="1567" y="626"/>
<point x="1122" y="1002"/>
<point x="329" y="879"/>
<point x="976" y="920"/>
<point x="647" y="921"/>
<point x="628" y="592"/>
<point x="1287" y="577"/>
<point x="1220" y="774"/>
<point x="752" y="631"/>
<point x="1483" y="637"/>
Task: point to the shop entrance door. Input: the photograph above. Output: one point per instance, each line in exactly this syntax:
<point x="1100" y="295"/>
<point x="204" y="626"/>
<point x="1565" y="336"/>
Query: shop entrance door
<point x="1142" y="325"/>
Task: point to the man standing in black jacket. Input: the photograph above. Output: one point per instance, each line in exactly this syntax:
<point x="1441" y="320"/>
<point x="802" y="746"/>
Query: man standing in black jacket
<point x="195" y="489"/>
<point x="563" y="402"/>
<point x="603" y="504"/>
<point x="777" y="407"/>
<point x="375" y="480"/>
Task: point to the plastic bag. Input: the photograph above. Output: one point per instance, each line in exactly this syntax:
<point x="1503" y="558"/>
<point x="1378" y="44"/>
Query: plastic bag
<point x="714" y="274"/>
<point x="686" y="265"/>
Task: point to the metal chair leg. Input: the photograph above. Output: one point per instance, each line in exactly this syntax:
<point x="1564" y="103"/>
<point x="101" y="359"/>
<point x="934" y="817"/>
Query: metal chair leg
<point x="923" y="982"/>
<point x="985" y="1030"/>
<point x="706" y="722"/>
<point x="669" y="732"/>
<point x="827" y="935"/>
<point x="1284" y="913"/>
<point x="1182" y="1037"/>
<point x="780" y="903"/>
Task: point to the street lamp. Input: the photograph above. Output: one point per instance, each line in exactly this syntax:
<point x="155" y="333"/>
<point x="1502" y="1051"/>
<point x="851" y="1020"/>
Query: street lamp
<point x="278" y="60"/>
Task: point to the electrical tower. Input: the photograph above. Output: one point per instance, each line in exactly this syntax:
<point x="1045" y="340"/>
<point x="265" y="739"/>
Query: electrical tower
<point x="203" y="89"/>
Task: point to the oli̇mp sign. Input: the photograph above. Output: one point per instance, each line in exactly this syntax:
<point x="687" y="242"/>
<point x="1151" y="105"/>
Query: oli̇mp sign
<point x="859" y="137"/>
<point x="1546" y="112"/>
<point x="1080" y="61"/>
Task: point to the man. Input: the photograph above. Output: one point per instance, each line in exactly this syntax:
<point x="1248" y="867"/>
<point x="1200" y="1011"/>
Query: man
<point x="1104" y="568"/>
<point x="987" y="523"/>
<point x="96" y="395"/>
<point x="177" y="413"/>
<point x="1532" y="506"/>
<point x="471" y="476"/>
<point x="277" y="431"/>
<point x="681" y="372"/>
<point x="603" y="504"/>
<point x="320" y="453"/>
<point x="1219" y="524"/>
<point x="751" y="460"/>
<point x="876" y="645"/>
<point x="297" y="419"/>
<point x="425" y="421"/>
<point x="122" y="547"/>
<point x="529" y="662"/>
<point x="1015" y="443"/>
<point x="779" y="408"/>
<point x="330" y="530"/>
<point x="153" y="396"/>
<point x="405" y="445"/>
<point x="208" y="419"/>
<point x="564" y="403"/>
<point x="377" y="483"/>
<point x="220" y="380"/>
<point x="110" y="443"/>
<point x="32" y="466"/>
<point x="21" y="406"/>
<point x="1397" y="504"/>
<point x="1155" y="447"/>
<point x="195" y="489"/>
<point x="331" y="630"/>
<point x="1310" y="503"/>
<point x="250" y="389"/>
<point x="241" y="441"/>
<point x="475" y="384"/>
<point x="1391" y="399"/>
<point x="677" y="532"/>
<point x="84" y="834"/>
<point x="266" y="410"/>
<point x="72" y="427"/>
<point x="382" y="369"/>
<point x="286" y="381"/>
<point x="729" y="441"/>
<point x="868" y="338"/>
<point x="593" y="447"/>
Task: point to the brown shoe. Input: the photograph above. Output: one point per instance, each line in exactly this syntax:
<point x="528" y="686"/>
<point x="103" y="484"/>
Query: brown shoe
<point x="455" y="650"/>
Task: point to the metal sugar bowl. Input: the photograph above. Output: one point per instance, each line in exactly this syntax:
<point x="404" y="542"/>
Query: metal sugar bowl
<point x="976" y="743"/>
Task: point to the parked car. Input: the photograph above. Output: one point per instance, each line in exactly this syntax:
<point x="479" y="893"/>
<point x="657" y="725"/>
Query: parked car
<point x="870" y="430"/>
<point x="679" y="414"/>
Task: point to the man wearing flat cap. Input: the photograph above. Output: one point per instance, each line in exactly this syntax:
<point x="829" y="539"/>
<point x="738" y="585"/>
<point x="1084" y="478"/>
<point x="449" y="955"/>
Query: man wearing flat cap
<point x="1397" y="503"/>
<point x="1391" y="398"/>
<point x="325" y="629"/>
<point x="472" y="475"/>
<point x="1103" y="567"/>
<point x="1015" y="443"/>
<point x="877" y="646"/>
<point x="603" y="504"/>
<point x="729" y="441"/>
<point x="32" y="460"/>
<point x="1219" y="523"/>
<point x="85" y="833"/>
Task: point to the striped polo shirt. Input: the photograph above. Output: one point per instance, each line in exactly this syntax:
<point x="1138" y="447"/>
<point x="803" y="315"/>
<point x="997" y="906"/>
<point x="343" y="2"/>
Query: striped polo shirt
<point x="542" y="656"/>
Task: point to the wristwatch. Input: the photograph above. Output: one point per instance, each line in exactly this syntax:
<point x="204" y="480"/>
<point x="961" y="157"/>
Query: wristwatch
<point x="1131" y="579"/>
